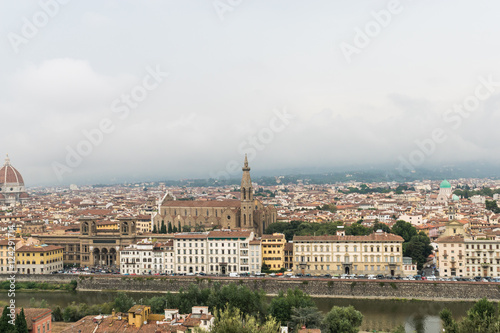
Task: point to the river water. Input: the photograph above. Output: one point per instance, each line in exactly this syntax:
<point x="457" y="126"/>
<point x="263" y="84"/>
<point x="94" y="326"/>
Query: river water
<point x="379" y="314"/>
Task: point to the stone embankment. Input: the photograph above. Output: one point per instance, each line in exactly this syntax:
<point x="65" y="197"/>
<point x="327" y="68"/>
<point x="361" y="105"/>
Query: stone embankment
<point x="395" y="289"/>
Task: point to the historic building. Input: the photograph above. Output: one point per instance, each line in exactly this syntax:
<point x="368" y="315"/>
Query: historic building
<point x="12" y="190"/>
<point x="95" y="246"/>
<point x="145" y="257"/>
<point x="378" y="253"/>
<point x="247" y="213"/>
<point x="216" y="252"/>
<point x="39" y="259"/>
<point x="273" y="251"/>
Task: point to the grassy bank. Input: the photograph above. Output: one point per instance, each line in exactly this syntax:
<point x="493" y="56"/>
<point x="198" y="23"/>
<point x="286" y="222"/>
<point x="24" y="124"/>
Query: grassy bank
<point x="45" y="286"/>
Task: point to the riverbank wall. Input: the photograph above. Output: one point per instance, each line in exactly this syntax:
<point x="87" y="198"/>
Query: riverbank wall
<point x="394" y="289"/>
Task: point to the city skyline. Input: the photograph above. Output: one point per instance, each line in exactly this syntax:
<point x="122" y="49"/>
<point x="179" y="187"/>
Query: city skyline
<point x="185" y="90"/>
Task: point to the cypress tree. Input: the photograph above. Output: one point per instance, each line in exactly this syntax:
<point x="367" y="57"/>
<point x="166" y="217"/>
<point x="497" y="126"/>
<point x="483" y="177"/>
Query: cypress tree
<point x="5" y="326"/>
<point x="21" y="325"/>
<point x="155" y="231"/>
<point x="170" y="227"/>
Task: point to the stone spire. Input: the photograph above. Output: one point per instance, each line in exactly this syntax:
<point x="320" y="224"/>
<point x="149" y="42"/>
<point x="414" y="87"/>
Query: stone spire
<point x="245" y="166"/>
<point x="7" y="160"/>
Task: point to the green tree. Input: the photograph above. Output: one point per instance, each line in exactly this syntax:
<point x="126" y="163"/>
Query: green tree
<point x="418" y="248"/>
<point x="492" y="205"/>
<point x="163" y="228"/>
<point x="481" y="318"/>
<point x="57" y="313"/>
<point x="155" y="231"/>
<point x="186" y="228"/>
<point x="170" y="230"/>
<point x="231" y="320"/>
<point x="122" y="302"/>
<point x="357" y="229"/>
<point x="380" y="226"/>
<point x="404" y="229"/>
<point x="342" y="320"/>
<point x="5" y="326"/>
<point x="282" y="305"/>
<point x="309" y="317"/>
<point x="21" y="325"/>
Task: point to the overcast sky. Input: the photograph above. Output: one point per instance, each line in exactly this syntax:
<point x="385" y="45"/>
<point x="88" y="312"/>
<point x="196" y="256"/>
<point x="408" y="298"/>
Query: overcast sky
<point x="181" y="89"/>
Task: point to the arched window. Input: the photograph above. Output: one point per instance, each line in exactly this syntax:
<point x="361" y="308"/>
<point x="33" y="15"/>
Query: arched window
<point x="244" y="194"/>
<point x="244" y="219"/>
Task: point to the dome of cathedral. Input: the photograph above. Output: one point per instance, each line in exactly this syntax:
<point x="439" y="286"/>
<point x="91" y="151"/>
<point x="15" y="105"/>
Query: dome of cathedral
<point x="445" y="184"/>
<point x="9" y="174"/>
<point x="455" y="197"/>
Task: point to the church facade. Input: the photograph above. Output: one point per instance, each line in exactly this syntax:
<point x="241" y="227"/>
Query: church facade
<point x="247" y="213"/>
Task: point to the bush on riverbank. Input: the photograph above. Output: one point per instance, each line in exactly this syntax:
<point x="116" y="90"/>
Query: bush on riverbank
<point x="5" y="285"/>
<point x="483" y="317"/>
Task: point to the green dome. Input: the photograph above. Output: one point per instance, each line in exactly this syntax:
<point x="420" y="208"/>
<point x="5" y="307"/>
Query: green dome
<point x="445" y="184"/>
<point x="455" y="197"/>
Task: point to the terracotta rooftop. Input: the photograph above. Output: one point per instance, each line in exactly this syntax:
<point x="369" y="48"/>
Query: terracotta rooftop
<point x="202" y="204"/>
<point x="372" y="237"/>
<point x="33" y="248"/>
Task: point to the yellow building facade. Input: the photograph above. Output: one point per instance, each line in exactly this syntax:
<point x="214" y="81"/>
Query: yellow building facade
<point x="273" y="251"/>
<point x="39" y="259"/>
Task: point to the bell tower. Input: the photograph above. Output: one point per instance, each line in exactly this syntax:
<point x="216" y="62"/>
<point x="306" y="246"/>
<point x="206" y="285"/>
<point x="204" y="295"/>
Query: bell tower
<point x="246" y="220"/>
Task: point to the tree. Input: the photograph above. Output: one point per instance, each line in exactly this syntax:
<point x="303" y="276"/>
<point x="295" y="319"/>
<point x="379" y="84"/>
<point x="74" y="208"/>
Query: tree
<point x="170" y="230"/>
<point x="404" y="229"/>
<point x="57" y="313"/>
<point x="282" y="305"/>
<point x="21" y="325"/>
<point x="186" y="228"/>
<point x="163" y="228"/>
<point x="5" y="326"/>
<point x="155" y="231"/>
<point x="122" y="302"/>
<point x="357" y="229"/>
<point x="309" y="317"/>
<point x="342" y="320"/>
<point x="492" y="205"/>
<point x="231" y="320"/>
<point x="481" y="318"/>
<point x="418" y="248"/>
<point x="381" y="226"/>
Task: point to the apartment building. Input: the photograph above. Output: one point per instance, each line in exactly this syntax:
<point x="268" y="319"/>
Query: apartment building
<point x="273" y="251"/>
<point x="229" y="251"/>
<point x="39" y="259"/>
<point x="147" y="257"/>
<point x="190" y="252"/>
<point x="255" y="256"/>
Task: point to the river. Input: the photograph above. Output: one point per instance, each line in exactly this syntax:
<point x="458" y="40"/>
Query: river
<point x="379" y="314"/>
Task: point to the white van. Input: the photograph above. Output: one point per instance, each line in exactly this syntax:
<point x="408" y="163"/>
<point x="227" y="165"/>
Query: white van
<point x="233" y="275"/>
